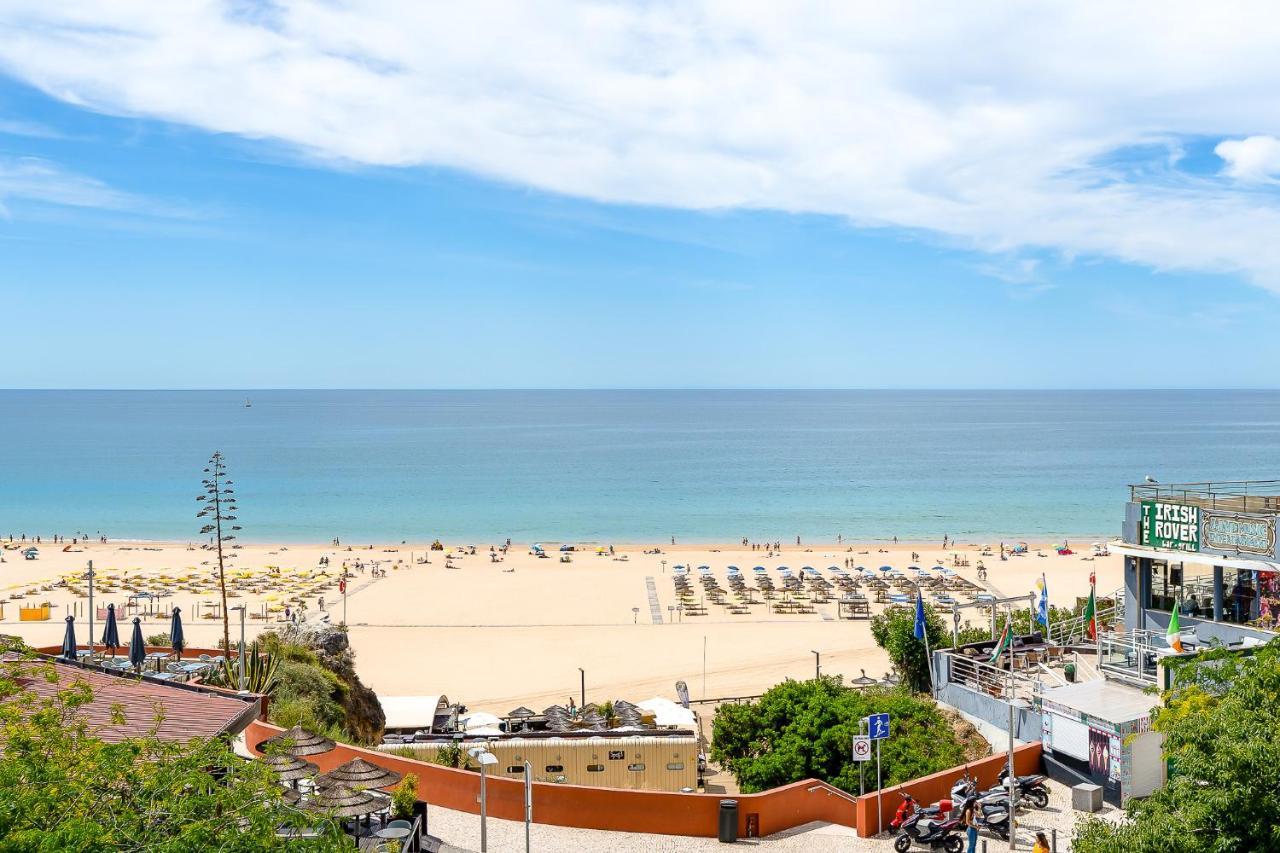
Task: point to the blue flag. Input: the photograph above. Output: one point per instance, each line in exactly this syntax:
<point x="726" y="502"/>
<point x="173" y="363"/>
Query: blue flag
<point x="919" y="632"/>
<point x="1042" y="608"/>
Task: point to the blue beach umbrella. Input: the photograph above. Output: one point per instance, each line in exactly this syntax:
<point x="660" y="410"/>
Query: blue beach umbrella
<point x="110" y="632"/>
<point x="137" y="648"/>
<point x="176" y="640"/>
<point x="69" y="639"/>
<point x="886" y="568"/>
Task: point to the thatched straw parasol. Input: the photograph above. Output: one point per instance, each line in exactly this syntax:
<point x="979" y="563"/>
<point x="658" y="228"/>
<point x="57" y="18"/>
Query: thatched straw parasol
<point x="359" y="774"/>
<point x="297" y="741"/>
<point x="289" y="767"/>
<point x="342" y="801"/>
<point x="292" y="796"/>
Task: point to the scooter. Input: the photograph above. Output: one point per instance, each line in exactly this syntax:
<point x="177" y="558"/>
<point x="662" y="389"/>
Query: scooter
<point x="990" y="808"/>
<point x="910" y="807"/>
<point x="933" y="831"/>
<point x="1031" y="787"/>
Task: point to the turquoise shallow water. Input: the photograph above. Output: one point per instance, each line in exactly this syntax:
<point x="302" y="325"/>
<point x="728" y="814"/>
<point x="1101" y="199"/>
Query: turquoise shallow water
<point x="618" y="465"/>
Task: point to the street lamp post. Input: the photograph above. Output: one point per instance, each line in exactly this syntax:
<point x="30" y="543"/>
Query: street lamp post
<point x="582" y="676"/>
<point x="485" y="759"/>
<point x="90" y="577"/>
<point x="240" y="657"/>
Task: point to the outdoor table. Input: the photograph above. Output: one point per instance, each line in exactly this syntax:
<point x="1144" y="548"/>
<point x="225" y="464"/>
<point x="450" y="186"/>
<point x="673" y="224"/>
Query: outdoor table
<point x="393" y="833"/>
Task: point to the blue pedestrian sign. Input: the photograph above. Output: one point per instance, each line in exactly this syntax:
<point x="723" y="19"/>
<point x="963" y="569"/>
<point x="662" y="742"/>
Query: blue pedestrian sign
<point x="878" y="726"/>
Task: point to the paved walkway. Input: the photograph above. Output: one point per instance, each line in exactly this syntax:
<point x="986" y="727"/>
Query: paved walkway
<point x="655" y="609"/>
<point x="460" y="828"/>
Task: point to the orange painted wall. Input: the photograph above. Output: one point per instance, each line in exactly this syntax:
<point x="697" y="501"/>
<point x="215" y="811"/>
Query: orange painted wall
<point x="599" y="808"/>
<point x="930" y="789"/>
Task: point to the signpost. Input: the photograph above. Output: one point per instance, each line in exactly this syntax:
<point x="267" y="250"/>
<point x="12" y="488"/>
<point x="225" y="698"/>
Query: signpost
<point x="1235" y="532"/>
<point x="1174" y="527"/>
<point x="528" y="802"/>
<point x="878" y="728"/>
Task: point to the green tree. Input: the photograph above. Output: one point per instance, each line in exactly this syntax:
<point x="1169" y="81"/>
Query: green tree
<point x="804" y="729"/>
<point x="1219" y="721"/>
<point x="894" y="631"/>
<point x="67" y="789"/>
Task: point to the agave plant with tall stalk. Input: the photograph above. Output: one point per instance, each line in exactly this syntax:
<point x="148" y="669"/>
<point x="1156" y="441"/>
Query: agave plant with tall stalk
<point x="218" y="511"/>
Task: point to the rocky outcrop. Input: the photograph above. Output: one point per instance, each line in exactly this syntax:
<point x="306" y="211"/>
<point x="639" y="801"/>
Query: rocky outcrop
<point x="364" y="718"/>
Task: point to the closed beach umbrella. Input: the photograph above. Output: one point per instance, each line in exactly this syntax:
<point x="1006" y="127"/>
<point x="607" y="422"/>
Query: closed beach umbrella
<point x="137" y="648"/>
<point x="69" y="639"/>
<point x="176" y="640"/>
<point x="110" y="631"/>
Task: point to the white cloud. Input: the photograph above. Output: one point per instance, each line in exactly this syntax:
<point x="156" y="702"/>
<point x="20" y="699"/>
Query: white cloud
<point x="989" y="125"/>
<point x="1255" y="158"/>
<point x="36" y="179"/>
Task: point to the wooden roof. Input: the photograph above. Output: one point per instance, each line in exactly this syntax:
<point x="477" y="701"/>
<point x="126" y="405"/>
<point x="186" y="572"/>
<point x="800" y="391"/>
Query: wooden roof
<point x="190" y="711"/>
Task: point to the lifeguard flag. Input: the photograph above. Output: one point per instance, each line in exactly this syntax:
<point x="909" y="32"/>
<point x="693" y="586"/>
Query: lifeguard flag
<point x="1174" y="634"/>
<point x="1091" y="609"/>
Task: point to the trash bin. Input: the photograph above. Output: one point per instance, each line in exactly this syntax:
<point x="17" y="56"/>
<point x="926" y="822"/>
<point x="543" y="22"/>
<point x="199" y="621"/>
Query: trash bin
<point x="728" y="821"/>
<point x="1069" y="671"/>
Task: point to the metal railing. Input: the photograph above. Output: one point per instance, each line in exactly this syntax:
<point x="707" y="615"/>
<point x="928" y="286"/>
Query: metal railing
<point x="1133" y="654"/>
<point x="1234" y="495"/>
<point x="982" y="677"/>
<point x="1074" y="631"/>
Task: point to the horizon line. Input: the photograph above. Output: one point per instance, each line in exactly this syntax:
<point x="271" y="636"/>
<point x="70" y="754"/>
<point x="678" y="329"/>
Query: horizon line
<point x="691" y="388"/>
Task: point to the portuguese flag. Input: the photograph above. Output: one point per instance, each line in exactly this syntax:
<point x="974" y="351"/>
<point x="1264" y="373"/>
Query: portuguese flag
<point x="1006" y="637"/>
<point x="1091" y="609"/>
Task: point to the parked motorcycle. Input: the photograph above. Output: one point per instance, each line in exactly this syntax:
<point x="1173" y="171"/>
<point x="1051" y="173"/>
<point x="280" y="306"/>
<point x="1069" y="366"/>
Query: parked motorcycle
<point x="1031" y="787"/>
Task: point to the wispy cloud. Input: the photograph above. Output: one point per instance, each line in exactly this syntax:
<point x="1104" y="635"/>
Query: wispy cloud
<point x="991" y="127"/>
<point x="30" y="129"/>
<point x="35" y="179"/>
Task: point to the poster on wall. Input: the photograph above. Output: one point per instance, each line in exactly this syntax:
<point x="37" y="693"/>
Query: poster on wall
<point x="1232" y="532"/>
<point x="1099" y="754"/>
<point x="1174" y="527"/>
<point x="1116" y="751"/>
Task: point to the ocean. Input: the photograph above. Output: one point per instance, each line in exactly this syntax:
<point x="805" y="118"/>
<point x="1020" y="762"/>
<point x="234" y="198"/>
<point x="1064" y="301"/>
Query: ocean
<point x="618" y="466"/>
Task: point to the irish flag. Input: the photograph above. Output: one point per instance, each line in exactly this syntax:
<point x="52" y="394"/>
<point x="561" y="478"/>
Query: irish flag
<point x="1091" y="610"/>
<point x="1006" y="637"/>
<point x="1174" y="634"/>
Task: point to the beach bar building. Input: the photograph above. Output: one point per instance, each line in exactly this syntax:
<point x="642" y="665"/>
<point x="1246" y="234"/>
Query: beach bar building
<point x="1207" y="550"/>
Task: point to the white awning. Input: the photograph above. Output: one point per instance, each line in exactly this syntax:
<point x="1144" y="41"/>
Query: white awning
<point x="411" y="712"/>
<point x="1252" y="564"/>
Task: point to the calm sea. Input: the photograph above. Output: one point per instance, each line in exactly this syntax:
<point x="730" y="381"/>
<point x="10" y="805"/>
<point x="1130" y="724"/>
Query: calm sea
<point x="623" y="466"/>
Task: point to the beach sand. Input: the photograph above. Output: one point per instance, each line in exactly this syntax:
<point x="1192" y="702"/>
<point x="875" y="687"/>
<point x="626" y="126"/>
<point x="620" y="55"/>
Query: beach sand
<point x="497" y="635"/>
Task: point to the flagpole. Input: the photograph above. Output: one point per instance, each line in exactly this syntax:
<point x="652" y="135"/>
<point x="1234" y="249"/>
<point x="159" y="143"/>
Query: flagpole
<point x="1048" y="626"/>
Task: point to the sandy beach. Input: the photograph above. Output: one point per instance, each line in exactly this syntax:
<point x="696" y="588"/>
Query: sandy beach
<point x="495" y="635"/>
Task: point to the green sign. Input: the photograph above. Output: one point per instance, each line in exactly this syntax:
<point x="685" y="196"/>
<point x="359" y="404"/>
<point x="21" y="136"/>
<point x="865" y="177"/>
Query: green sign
<point x="1175" y="527"/>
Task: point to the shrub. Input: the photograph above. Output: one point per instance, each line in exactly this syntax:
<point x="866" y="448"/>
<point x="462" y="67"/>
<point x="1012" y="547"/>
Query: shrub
<point x="403" y="798"/>
<point x="804" y="729"/>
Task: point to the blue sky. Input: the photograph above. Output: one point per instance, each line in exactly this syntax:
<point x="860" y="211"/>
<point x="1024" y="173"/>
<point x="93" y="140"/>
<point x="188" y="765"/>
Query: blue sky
<point x="144" y="245"/>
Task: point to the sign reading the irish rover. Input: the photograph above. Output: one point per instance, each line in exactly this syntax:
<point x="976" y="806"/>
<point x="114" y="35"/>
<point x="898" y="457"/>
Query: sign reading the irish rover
<point x="1175" y="527"/>
<point x="1251" y="534"/>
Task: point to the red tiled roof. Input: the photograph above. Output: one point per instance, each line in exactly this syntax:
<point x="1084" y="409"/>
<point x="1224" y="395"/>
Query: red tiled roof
<point x="189" y="711"/>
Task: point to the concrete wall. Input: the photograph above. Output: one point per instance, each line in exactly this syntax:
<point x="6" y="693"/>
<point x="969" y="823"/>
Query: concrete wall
<point x="992" y="710"/>
<point x="599" y="808"/>
<point x="930" y="789"/>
